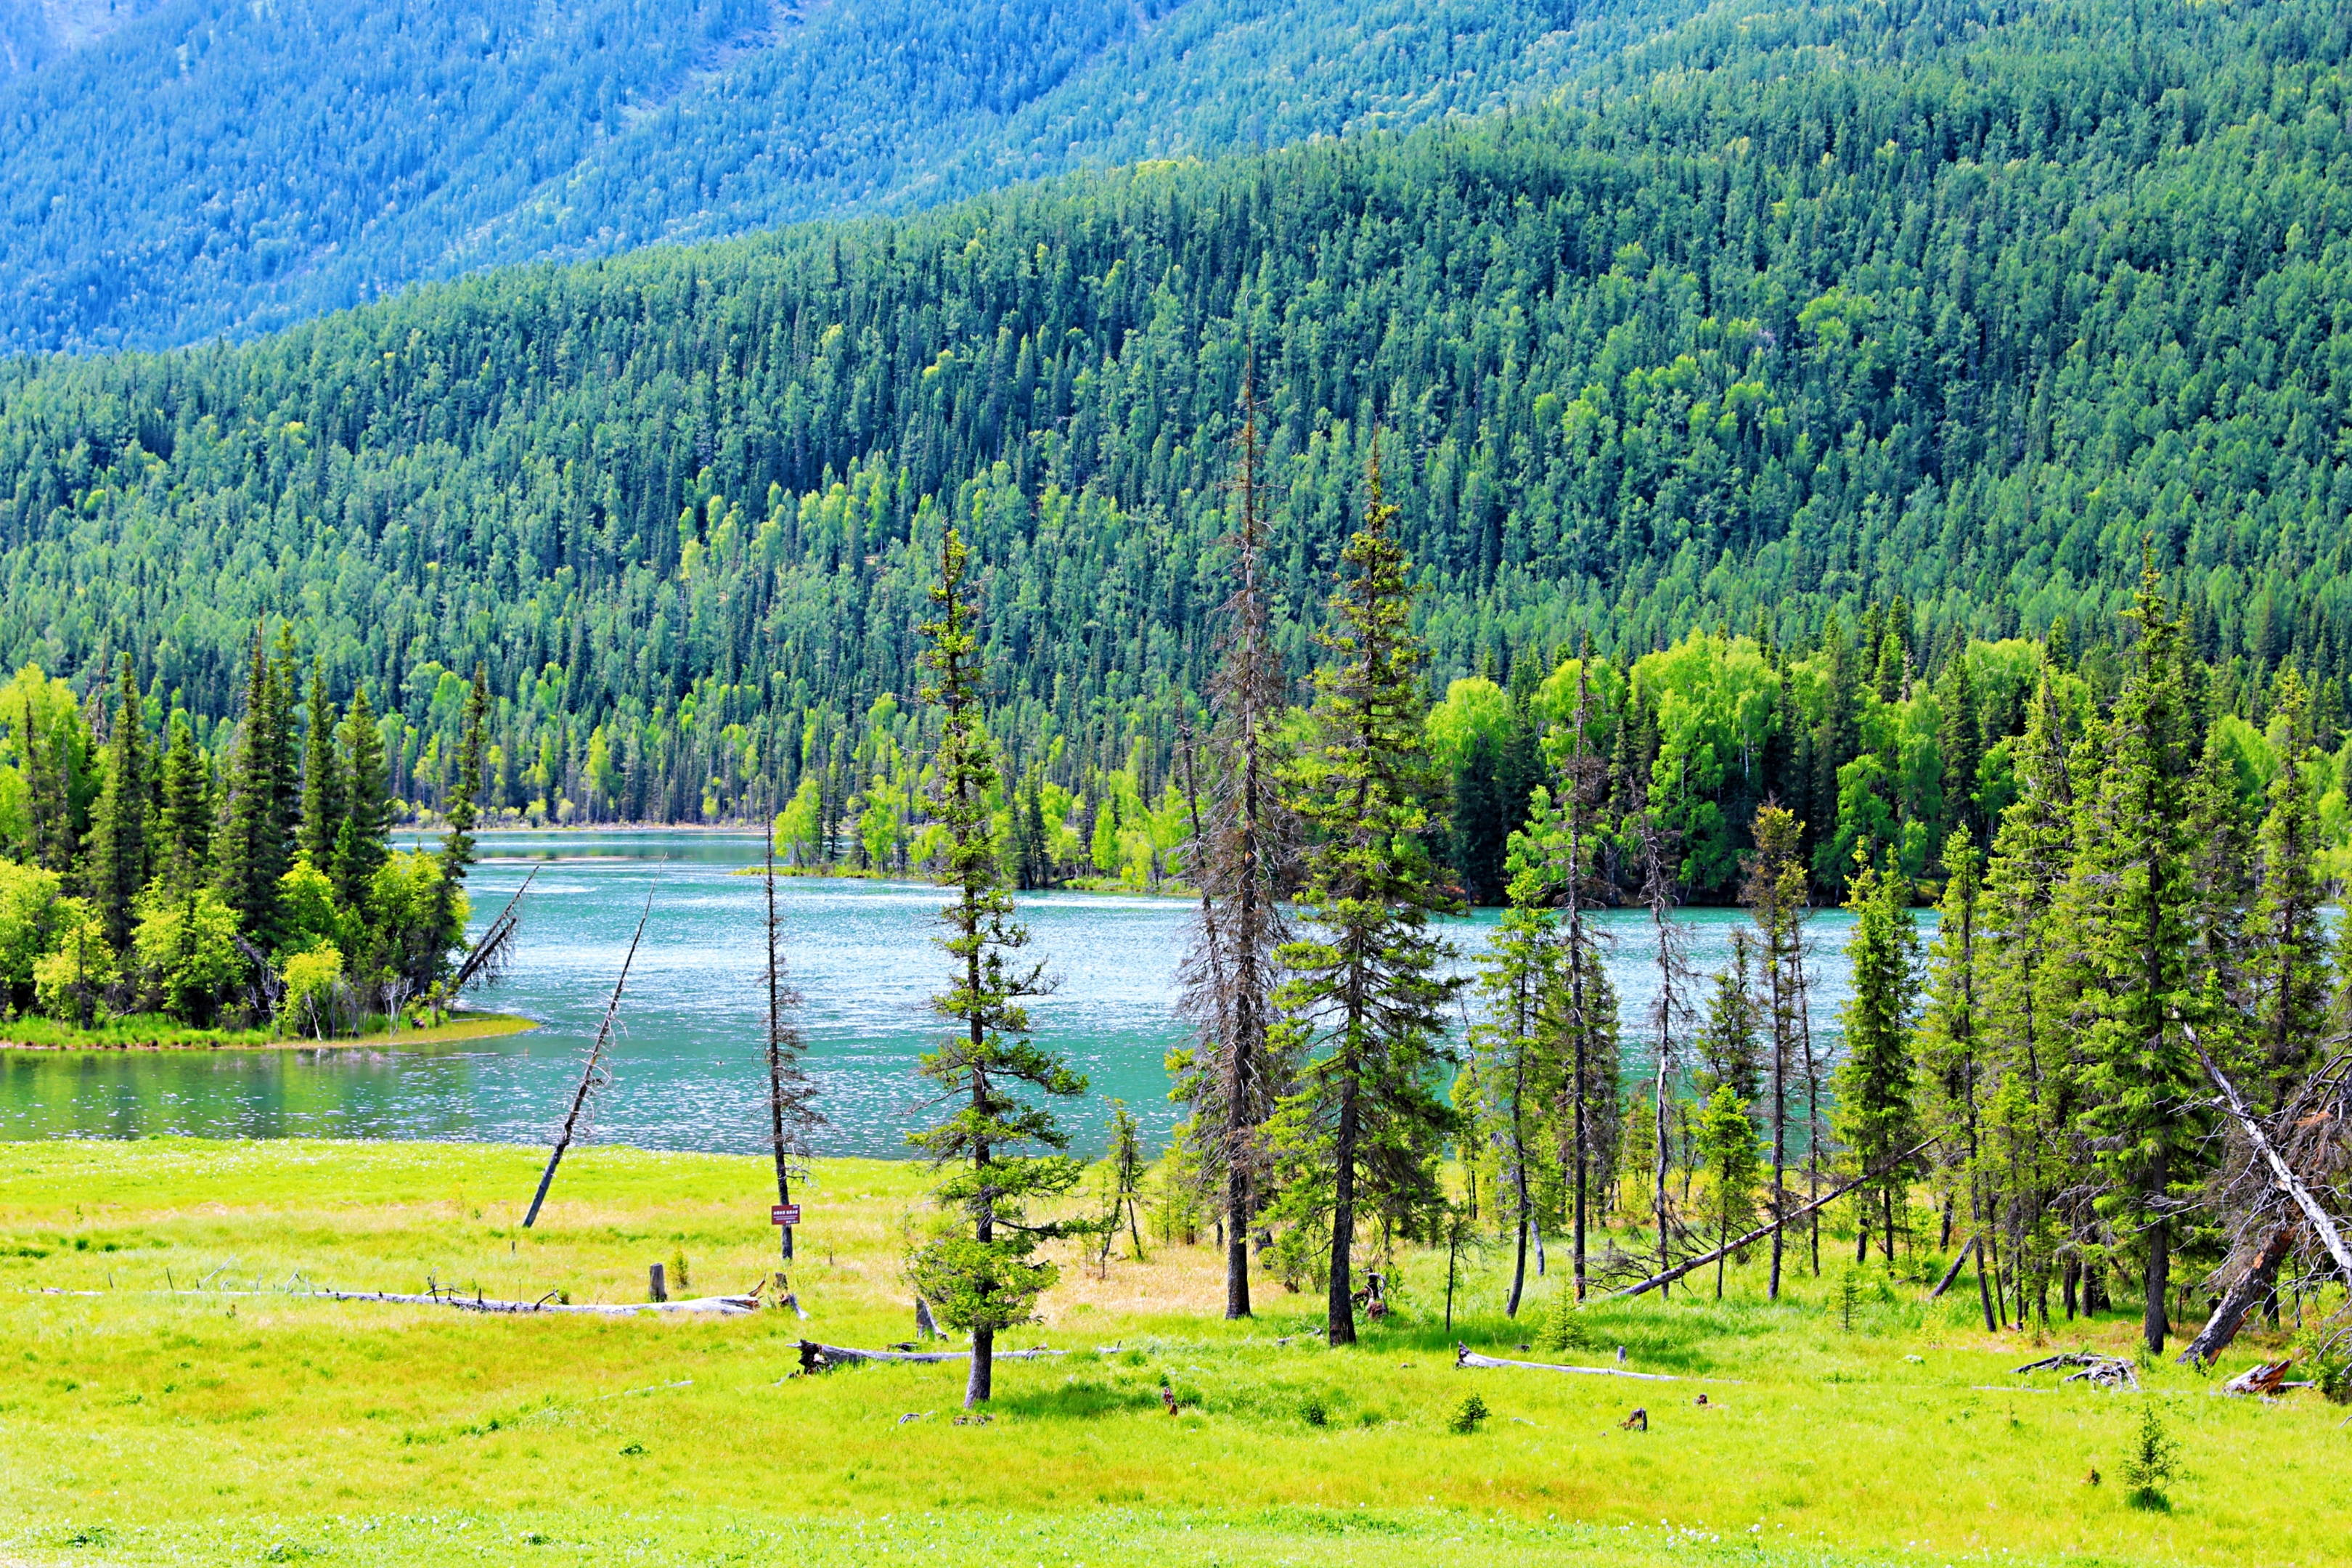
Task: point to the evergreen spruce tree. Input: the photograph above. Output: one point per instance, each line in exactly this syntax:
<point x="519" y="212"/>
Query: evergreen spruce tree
<point x="1521" y="984"/>
<point x="1949" y="1063"/>
<point x="1730" y="1042"/>
<point x="47" y="750"/>
<point x="2143" y="1097"/>
<point x="117" y="846"/>
<point x="1875" y="1114"/>
<point x="185" y="813"/>
<point x="285" y="755"/>
<point x="2029" y="971"/>
<point x="1959" y="737"/>
<point x="457" y="844"/>
<point x="1364" y="1004"/>
<point x="2289" y="960"/>
<point x="984" y="1281"/>
<point x="253" y="852"/>
<point x="2222" y="824"/>
<point x="1728" y="1152"/>
<point x="362" y="839"/>
<point x="1777" y="895"/>
<point x="322" y="776"/>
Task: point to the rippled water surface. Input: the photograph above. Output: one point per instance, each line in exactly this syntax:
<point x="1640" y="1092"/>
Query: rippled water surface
<point x="687" y="1066"/>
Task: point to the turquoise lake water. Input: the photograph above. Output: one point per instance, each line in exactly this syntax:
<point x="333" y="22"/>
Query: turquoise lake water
<point x="688" y="1064"/>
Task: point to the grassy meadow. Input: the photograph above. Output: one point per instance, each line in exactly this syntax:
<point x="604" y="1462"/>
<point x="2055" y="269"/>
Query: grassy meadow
<point x="167" y="1397"/>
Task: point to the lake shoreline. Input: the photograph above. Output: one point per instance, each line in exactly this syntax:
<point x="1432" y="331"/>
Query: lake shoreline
<point x="459" y="1027"/>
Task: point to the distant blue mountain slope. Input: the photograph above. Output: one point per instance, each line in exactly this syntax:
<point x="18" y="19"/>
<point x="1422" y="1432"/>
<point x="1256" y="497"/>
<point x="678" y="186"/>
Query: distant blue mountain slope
<point x="222" y="167"/>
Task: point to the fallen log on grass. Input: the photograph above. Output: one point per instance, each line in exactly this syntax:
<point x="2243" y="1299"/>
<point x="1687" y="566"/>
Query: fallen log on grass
<point x="723" y="1306"/>
<point x="2263" y="1378"/>
<point x="1753" y="1236"/>
<point x="2100" y="1371"/>
<point x="815" y="1357"/>
<point x="1465" y="1356"/>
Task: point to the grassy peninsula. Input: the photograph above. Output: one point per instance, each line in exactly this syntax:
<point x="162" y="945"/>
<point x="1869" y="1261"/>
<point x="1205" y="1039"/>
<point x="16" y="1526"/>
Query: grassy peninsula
<point x="156" y="1033"/>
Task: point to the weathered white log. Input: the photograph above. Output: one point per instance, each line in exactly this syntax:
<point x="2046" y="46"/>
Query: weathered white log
<point x="723" y="1306"/>
<point x="2105" y="1371"/>
<point x="1465" y="1356"/>
<point x="815" y="1357"/>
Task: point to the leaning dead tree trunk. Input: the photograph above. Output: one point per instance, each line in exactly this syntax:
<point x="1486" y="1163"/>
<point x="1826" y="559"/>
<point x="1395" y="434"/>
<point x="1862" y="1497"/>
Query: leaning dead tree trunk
<point x="488" y="960"/>
<point x="790" y="1114"/>
<point x="2281" y="1210"/>
<point x="1660" y="1280"/>
<point x="2252" y="1287"/>
<point x="588" y="1074"/>
<point x="1954" y="1271"/>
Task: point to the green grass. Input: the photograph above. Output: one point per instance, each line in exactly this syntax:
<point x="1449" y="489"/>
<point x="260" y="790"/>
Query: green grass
<point x="211" y="1427"/>
<point x="153" y="1032"/>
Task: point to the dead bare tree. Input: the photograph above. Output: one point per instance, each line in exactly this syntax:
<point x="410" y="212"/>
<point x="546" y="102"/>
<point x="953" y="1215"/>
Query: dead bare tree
<point x="1241" y="853"/>
<point x="1657" y="843"/>
<point x="2282" y="1170"/>
<point x="1581" y="773"/>
<point x="792" y="1110"/>
<point x="486" y="965"/>
<point x="592" y="1076"/>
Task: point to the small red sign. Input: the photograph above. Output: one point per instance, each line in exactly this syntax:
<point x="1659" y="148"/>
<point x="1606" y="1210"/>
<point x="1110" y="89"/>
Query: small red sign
<point x="785" y="1214"/>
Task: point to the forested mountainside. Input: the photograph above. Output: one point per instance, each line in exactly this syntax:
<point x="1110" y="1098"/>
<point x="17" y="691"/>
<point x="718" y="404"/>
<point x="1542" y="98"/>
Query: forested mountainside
<point x="221" y="167"/>
<point x="35" y="32"/>
<point x="1932" y="317"/>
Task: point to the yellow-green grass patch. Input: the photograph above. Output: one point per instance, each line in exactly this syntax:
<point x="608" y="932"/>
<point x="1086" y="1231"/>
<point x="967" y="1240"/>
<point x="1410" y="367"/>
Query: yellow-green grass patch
<point x="158" y="1420"/>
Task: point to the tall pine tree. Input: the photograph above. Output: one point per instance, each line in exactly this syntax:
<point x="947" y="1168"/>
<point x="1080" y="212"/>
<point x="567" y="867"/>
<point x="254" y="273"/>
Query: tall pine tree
<point x="1364" y="1005"/>
<point x="2144" y="1105"/>
<point x="1875" y="1115"/>
<point x="984" y="1281"/>
<point x="118" y="847"/>
<point x="253" y="850"/>
<point x="1777" y="897"/>
<point x="322" y="776"/>
<point x="361" y="837"/>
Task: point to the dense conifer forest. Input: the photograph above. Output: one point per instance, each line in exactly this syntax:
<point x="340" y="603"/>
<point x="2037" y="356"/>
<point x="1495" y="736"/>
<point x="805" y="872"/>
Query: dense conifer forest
<point x="1892" y="331"/>
<point x="142" y="204"/>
